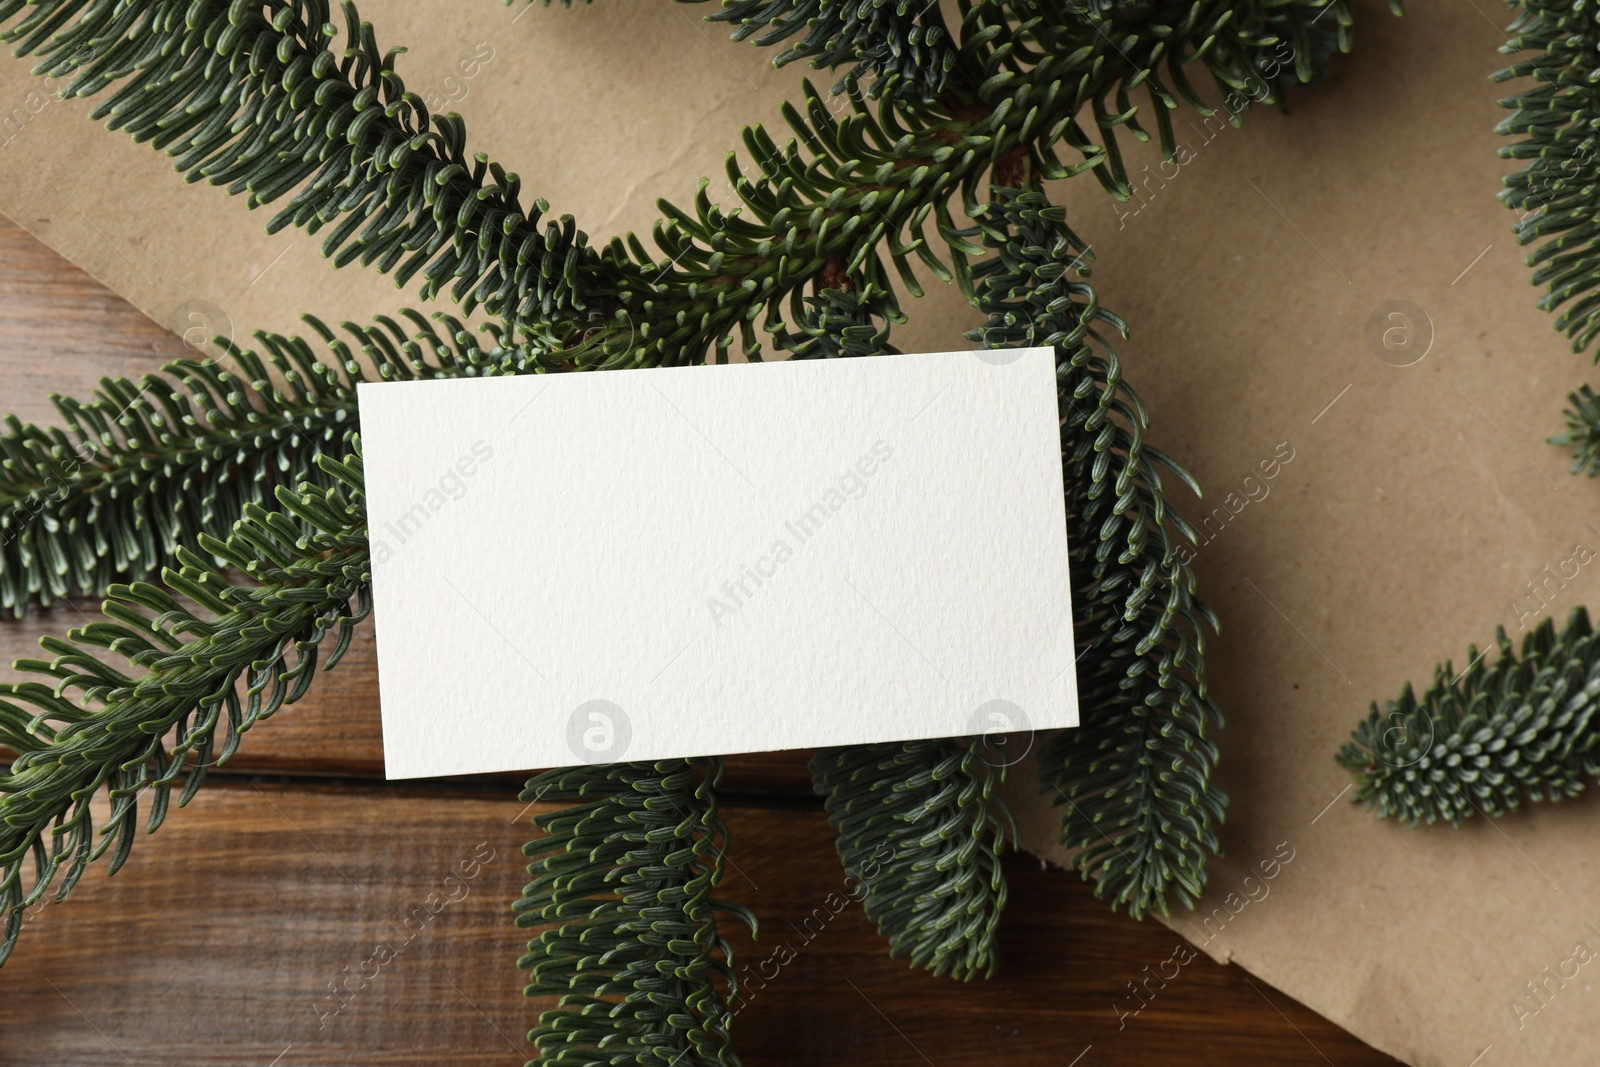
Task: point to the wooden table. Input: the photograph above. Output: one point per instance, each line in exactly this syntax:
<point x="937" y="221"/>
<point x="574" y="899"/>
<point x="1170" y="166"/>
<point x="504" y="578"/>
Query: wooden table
<point x="221" y="939"/>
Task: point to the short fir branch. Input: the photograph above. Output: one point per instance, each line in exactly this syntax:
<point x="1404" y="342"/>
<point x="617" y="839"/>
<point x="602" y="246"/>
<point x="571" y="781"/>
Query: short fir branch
<point x="921" y="829"/>
<point x="1135" y="776"/>
<point x="1557" y="192"/>
<point x="1483" y="742"/>
<point x="145" y="467"/>
<point x="1583" y="431"/>
<point x="895" y="49"/>
<point x="622" y="883"/>
<point x="246" y="652"/>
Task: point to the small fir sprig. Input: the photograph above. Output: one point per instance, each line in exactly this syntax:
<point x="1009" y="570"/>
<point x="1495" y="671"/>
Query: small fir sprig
<point x="1486" y="740"/>
<point x="623" y="878"/>
<point x="921" y="829"/>
<point x="1583" y="431"/>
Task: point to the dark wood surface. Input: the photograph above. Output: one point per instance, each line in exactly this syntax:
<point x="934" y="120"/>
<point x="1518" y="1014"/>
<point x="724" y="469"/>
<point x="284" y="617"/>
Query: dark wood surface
<point x="220" y="939"/>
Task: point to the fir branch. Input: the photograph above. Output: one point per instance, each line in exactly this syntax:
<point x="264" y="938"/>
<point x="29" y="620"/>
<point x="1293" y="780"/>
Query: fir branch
<point x="1136" y="773"/>
<point x="1486" y="740"/>
<point x="257" y="97"/>
<point x="1557" y="192"/>
<point x="1583" y="431"/>
<point x="900" y="47"/>
<point x="253" y="97"/>
<point x="147" y="466"/>
<point x="922" y="830"/>
<point x="622" y="881"/>
<point x="255" y="651"/>
<point x="850" y="184"/>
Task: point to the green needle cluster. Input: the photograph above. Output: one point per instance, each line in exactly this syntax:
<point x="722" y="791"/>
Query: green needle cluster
<point x="1484" y="741"/>
<point x="152" y="723"/>
<point x="922" y="829"/>
<point x="622" y="883"/>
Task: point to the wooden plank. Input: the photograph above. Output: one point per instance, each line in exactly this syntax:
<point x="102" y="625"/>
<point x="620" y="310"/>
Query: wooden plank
<point x="219" y="941"/>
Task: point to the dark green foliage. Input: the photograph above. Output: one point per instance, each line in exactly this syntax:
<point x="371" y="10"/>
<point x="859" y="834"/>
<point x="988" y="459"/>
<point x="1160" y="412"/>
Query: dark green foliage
<point x="264" y="99"/>
<point x="900" y="46"/>
<point x="1583" y="431"/>
<point x="1250" y="51"/>
<point x="622" y="883"/>
<point x="251" y="650"/>
<point x="1483" y="742"/>
<point x="1136" y="774"/>
<point x="147" y="466"/>
<point x="921" y="831"/>
<point x="1557" y="192"/>
<point x="841" y="323"/>
<point x="850" y="184"/>
<point x="227" y="90"/>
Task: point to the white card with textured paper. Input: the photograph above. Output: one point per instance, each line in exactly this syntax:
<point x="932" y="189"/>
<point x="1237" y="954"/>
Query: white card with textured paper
<point x="642" y="564"/>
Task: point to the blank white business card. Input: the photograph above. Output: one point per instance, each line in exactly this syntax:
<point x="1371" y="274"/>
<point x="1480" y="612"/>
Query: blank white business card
<point x="642" y="564"/>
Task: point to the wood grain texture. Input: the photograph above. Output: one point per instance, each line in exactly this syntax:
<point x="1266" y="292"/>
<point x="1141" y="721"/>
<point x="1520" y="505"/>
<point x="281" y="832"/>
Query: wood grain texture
<point x="220" y="939"/>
